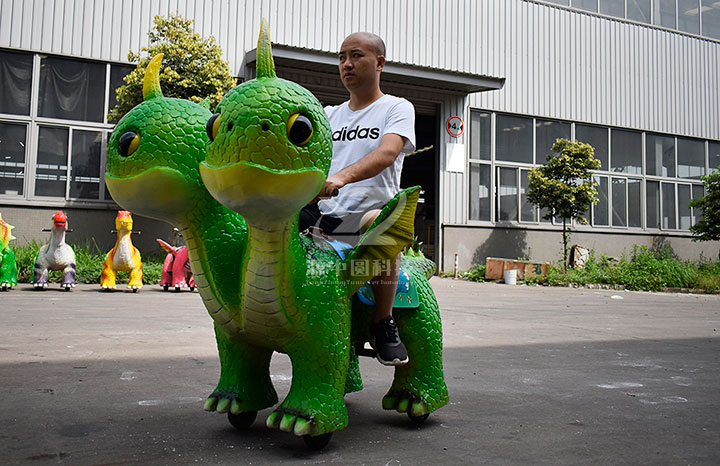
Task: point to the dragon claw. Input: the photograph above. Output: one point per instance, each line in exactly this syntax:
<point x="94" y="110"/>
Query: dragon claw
<point x="413" y="406"/>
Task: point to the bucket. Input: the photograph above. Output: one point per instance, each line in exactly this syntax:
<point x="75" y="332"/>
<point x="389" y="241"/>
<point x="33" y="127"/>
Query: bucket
<point x="510" y="277"/>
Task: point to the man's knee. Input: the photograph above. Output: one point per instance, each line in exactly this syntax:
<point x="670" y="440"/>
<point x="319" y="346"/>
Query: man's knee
<point x="368" y="219"/>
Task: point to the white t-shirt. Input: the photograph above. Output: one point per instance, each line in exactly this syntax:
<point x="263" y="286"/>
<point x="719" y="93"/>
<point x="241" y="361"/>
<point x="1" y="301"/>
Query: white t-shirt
<point x="357" y="133"/>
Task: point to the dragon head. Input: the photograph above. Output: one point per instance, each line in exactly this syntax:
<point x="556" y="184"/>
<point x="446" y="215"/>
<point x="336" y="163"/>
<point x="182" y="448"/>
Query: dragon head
<point x="123" y="221"/>
<point x="154" y="152"/>
<point x="5" y="234"/>
<point x="60" y="220"/>
<point x="270" y="145"/>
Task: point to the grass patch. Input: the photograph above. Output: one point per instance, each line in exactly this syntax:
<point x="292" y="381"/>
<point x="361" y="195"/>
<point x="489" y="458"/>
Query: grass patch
<point x="88" y="264"/>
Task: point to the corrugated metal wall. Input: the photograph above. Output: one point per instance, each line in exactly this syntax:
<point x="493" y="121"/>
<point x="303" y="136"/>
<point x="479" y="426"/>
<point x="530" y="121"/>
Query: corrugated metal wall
<point x="558" y="63"/>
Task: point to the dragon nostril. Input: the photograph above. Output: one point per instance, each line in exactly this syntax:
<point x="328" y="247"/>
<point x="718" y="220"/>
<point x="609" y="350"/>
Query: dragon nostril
<point x="265" y="127"/>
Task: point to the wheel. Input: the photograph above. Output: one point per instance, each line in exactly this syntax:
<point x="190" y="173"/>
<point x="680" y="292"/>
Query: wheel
<point x="317" y="442"/>
<point x="243" y="420"/>
<point x="192" y="288"/>
<point x="418" y="419"/>
<point x="165" y="287"/>
<point x="67" y="288"/>
<point x="135" y="290"/>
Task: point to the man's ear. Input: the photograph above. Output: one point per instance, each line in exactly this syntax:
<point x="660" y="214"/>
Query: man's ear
<point x="380" y="62"/>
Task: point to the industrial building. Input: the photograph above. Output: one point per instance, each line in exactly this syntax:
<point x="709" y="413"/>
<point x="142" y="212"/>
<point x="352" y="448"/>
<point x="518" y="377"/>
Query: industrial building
<point x="494" y="83"/>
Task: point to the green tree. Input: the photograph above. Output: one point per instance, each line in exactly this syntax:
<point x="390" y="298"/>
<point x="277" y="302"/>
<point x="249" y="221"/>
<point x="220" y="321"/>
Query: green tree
<point x="192" y="68"/>
<point x="564" y="184"/>
<point x="708" y="227"/>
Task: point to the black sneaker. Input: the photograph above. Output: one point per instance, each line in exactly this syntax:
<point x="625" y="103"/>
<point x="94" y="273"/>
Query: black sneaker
<point x="386" y="341"/>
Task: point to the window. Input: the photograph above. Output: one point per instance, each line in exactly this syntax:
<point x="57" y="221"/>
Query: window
<point x="711" y="18"/>
<point x="72" y="89"/>
<point x="659" y="155"/>
<point x="639" y="10"/>
<point x="600" y="210"/>
<point x="689" y="16"/>
<point x="668" y="206"/>
<point x="479" y="192"/>
<point x="117" y="73"/>
<point x="528" y="211"/>
<point x="12" y="158"/>
<point x="698" y="192"/>
<point x="664" y="13"/>
<point x="513" y="138"/>
<point x="546" y="132"/>
<point x="16" y="77"/>
<point x="626" y="151"/>
<point x="613" y="7"/>
<point x="590" y="5"/>
<point x="51" y="169"/>
<point x="480" y="133"/>
<point x="652" y="201"/>
<point x="619" y="202"/>
<point x="560" y="2"/>
<point x="714" y="156"/>
<point x="85" y="165"/>
<point x="684" y="215"/>
<point x="507" y="190"/>
<point x="596" y="137"/>
<point x="634" y="204"/>
<point x="691" y="158"/>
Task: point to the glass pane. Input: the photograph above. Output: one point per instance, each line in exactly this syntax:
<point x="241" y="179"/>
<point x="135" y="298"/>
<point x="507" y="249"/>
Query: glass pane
<point x="85" y="165"/>
<point x="711" y="18"/>
<point x="691" y="158"/>
<point x="664" y="13"/>
<point x="619" y="198"/>
<point x="16" y="78"/>
<point x="689" y="16"/>
<point x="652" y="194"/>
<point x="479" y="192"/>
<point x="528" y="211"/>
<point x="683" y="191"/>
<point x="507" y="195"/>
<point x="698" y="192"/>
<point x="714" y="155"/>
<point x="668" y="206"/>
<point x="634" y="203"/>
<point x="117" y="73"/>
<point x="596" y="137"/>
<point x="626" y="151"/>
<point x="590" y="5"/>
<point x="639" y="10"/>
<point x="600" y="210"/>
<point x="51" y="170"/>
<point x="513" y="139"/>
<point x="613" y="7"/>
<point x="12" y="158"/>
<point x="72" y="89"/>
<point x="560" y="2"/>
<point x="659" y="155"/>
<point x="480" y="135"/>
<point x="546" y="132"/>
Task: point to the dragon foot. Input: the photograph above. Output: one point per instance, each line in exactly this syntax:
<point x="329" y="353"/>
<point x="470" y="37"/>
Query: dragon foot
<point x="41" y="285"/>
<point x="414" y="407"/>
<point x="7" y="285"/>
<point x="288" y="422"/>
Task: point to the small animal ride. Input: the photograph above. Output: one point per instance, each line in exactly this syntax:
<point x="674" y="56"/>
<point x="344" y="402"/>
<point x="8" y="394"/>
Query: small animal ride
<point x="8" y="266"/>
<point x="124" y="257"/>
<point x="56" y="255"/>
<point x="176" y="271"/>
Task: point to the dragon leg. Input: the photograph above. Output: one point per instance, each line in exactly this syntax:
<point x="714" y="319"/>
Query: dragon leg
<point x="166" y="277"/>
<point x="107" y="276"/>
<point x="244" y="383"/>
<point x="8" y="269"/>
<point x="40" y="278"/>
<point x="68" y="275"/>
<point x="136" y="273"/>
<point x="315" y="404"/>
<point x="419" y="386"/>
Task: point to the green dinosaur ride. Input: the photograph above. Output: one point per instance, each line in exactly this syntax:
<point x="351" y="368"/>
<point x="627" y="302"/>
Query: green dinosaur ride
<point x="269" y="153"/>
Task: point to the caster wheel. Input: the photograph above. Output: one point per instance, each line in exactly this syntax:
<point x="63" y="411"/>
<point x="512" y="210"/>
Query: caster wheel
<point x="243" y="420"/>
<point x="67" y="288"/>
<point x="135" y="290"/>
<point x="165" y="287"/>
<point x="418" y="419"/>
<point x="192" y="288"/>
<point x="317" y="442"/>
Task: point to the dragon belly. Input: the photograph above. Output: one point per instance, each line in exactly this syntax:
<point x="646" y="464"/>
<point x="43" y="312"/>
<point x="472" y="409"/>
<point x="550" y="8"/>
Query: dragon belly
<point x="123" y="258"/>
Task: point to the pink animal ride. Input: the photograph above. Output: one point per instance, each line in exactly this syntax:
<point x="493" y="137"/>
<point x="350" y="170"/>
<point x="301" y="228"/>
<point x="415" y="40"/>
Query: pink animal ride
<point x="56" y="255"/>
<point x="176" y="271"/>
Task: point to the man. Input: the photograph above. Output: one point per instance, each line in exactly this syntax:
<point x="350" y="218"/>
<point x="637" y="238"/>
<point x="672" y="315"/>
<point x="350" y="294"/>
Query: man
<point x="371" y="134"/>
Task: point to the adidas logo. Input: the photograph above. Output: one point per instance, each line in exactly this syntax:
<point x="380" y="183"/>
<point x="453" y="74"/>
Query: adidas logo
<point x="356" y="133"/>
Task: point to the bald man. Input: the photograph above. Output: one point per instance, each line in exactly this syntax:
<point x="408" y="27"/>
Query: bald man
<point x="371" y="134"/>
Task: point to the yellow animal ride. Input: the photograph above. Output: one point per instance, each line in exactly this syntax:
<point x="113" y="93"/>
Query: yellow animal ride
<point x="124" y="257"/>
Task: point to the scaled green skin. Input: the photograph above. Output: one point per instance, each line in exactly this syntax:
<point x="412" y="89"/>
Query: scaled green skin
<point x="8" y="269"/>
<point x="292" y="298"/>
<point x="161" y="180"/>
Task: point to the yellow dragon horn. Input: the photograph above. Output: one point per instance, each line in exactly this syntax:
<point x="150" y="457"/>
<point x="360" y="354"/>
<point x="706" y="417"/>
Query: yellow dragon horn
<point x="265" y="64"/>
<point x="151" y="84"/>
<point x="5" y="235"/>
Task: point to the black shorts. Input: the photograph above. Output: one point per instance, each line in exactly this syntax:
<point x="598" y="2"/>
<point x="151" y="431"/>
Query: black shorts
<point x="345" y="229"/>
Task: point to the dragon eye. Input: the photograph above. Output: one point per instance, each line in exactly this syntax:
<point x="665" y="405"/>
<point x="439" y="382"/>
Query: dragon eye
<point x="299" y="129"/>
<point x="213" y="126"/>
<point x="128" y="143"/>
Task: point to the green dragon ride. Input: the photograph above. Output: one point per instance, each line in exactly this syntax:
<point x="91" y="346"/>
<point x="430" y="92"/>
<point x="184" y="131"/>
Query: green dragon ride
<point x="265" y="154"/>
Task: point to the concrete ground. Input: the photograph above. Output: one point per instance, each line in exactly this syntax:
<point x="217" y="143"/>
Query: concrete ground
<point x="537" y="376"/>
